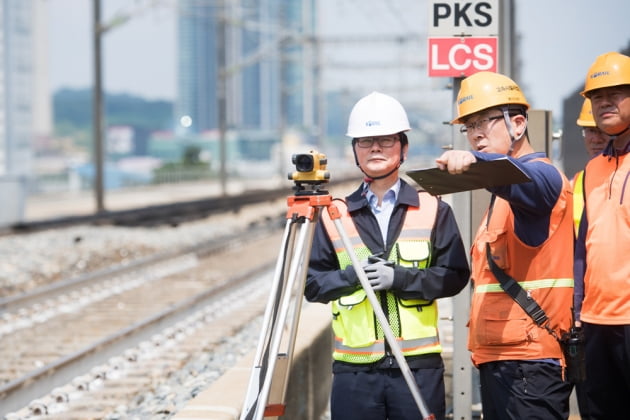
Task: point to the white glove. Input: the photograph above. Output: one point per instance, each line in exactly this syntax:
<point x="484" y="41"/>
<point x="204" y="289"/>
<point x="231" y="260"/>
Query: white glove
<point x="380" y="275"/>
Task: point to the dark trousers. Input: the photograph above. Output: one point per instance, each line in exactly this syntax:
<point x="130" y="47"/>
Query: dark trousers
<point x="516" y="390"/>
<point x="580" y="395"/>
<point x="381" y="394"/>
<point x="607" y="385"/>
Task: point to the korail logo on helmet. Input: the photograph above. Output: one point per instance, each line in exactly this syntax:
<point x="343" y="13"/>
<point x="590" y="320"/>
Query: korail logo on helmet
<point x="599" y="74"/>
<point x="508" y="88"/>
<point x="371" y="123"/>
<point x="464" y="99"/>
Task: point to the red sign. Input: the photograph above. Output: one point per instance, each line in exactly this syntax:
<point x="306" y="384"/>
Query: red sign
<point x="461" y="57"/>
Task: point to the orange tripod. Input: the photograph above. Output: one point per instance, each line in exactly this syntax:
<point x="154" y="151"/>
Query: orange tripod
<point x="268" y="381"/>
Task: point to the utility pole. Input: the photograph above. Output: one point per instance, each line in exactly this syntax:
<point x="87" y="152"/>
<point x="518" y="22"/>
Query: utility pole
<point x="462" y="369"/>
<point x="320" y="96"/>
<point x="97" y="108"/>
<point x="222" y="74"/>
<point x="98" y="29"/>
<point x="283" y="87"/>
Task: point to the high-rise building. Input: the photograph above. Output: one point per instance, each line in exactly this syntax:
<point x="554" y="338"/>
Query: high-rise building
<point x="269" y="72"/>
<point x="42" y="100"/>
<point x="16" y="82"/>
<point x="197" y="72"/>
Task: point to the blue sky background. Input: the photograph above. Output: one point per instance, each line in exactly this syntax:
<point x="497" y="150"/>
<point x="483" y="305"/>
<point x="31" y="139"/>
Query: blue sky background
<point x="559" y="39"/>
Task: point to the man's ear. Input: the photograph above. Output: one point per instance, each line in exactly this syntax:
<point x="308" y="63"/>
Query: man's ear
<point x="404" y="151"/>
<point x="520" y="124"/>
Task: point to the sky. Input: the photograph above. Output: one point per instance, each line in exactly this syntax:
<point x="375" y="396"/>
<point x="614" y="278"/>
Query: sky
<point x="138" y="56"/>
<point x="559" y="39"/>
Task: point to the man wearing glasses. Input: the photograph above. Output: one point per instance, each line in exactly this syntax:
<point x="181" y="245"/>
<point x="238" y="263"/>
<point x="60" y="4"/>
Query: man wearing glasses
<point x="526" y="236"/>
<point x="594" y="142"/>
<point x="412" y="253"/>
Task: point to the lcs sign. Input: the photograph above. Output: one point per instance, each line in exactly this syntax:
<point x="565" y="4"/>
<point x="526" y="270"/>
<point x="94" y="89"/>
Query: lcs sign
<point x="462" y="37"/>
<point x="461" y="57"/>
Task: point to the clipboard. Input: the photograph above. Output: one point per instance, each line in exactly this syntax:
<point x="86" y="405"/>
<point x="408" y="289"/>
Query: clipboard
<point x="494" y="173"/>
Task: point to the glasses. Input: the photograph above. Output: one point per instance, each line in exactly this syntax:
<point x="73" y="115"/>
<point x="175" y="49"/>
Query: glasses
<point x="480" y="124"/>
<point x="365" y="142"/>
<point x="593" y="131"/>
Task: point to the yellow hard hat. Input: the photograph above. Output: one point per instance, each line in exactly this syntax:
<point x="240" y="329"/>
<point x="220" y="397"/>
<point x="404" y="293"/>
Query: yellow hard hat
<point x="609" y="69"/>
<point x="586" y="115"/>
<point x="487" y="89"/>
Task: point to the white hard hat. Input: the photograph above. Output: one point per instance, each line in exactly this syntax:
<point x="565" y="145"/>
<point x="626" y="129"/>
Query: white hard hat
<point x="377" y="114"/>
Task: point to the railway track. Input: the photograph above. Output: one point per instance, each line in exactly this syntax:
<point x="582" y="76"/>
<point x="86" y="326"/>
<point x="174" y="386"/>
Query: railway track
<point x="93" y="346"/>
<point x="167" y="214"/>
<point x="58" y="343"/>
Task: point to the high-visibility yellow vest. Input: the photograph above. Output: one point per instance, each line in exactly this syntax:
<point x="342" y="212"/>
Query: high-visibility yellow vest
<point x="578" y="200"/>
<point x="358" y="336"/>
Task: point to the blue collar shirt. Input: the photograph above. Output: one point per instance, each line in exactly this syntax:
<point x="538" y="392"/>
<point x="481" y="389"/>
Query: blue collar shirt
<point x="383" y="212"/>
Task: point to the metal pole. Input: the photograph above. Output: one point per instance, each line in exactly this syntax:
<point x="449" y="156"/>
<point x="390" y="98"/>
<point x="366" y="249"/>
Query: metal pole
<point x="97" y="108"/>
<point x="462" y="368"/>
<point x="221" y="92"/>
<point x="507" y="39"/>
<point x="320" y="95"/>
<point x="283" y="92"/>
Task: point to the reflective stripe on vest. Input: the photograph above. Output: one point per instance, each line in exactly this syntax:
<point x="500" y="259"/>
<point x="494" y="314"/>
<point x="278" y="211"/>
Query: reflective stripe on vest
<point x="358" y="336"/>
<point x="527" y="285"/>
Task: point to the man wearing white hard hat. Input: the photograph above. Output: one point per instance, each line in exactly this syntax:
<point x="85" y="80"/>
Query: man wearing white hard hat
<point x="412" y="253"/>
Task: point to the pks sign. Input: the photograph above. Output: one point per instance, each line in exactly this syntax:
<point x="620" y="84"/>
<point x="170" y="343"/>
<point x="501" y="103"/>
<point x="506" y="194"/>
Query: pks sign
<point x="463" y="18"/>
<point x="461" y="57"/>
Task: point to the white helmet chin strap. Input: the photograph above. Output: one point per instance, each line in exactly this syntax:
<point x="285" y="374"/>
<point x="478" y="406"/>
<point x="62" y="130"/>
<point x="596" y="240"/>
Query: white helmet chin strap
<point x="508" y="124"/>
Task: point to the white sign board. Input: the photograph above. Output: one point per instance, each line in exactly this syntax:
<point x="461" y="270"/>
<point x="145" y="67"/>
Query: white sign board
<point x="463" y="18"/>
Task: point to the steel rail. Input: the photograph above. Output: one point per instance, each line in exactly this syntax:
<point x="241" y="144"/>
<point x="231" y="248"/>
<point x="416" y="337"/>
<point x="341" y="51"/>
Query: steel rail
<point x="19" y="392"/>
<point x="170" y="213"/>
<point x="11" y="303"/>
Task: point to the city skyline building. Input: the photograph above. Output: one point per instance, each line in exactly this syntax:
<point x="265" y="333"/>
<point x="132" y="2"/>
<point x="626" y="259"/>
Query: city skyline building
<point x="197" y="70"/>
<point x="268" y="68"/>
<point x="17" y="91"/>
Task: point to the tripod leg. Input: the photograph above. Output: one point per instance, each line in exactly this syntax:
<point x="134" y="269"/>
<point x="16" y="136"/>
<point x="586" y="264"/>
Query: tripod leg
<point x="287" y="311"/>
<point x="380" y="315"/>
<point x="260" y="368"/>
<point x="290" y="305"/>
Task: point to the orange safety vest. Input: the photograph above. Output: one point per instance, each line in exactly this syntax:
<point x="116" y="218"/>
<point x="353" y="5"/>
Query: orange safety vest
<point x="358" y="336"/>
<point x="499" y="328"/>
<point x="607" y="277"/>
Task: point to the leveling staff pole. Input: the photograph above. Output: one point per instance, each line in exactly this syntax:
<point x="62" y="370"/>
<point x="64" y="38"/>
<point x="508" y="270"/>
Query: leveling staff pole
<point x="380" y="315"/>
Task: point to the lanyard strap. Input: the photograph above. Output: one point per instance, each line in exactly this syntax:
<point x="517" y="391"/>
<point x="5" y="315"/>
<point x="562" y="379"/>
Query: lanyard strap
<point x="512" y="288"/>
<point x="515" y="290"/>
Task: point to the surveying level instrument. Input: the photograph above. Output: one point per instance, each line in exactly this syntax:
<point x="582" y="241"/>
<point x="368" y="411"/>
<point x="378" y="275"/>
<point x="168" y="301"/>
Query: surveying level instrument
<point x="267" y="387"/>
